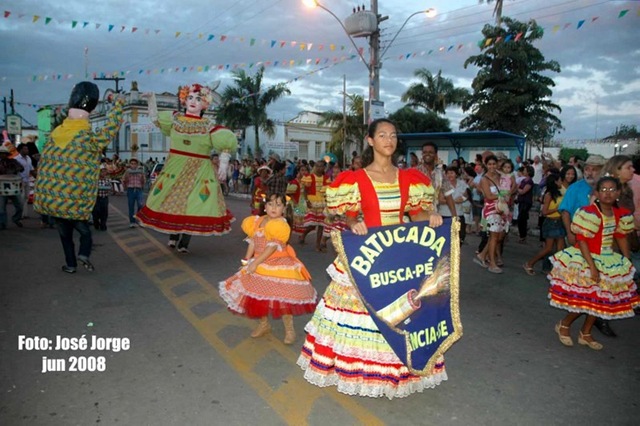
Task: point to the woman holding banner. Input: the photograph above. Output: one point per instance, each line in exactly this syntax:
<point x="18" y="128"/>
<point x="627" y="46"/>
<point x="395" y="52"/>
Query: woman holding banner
<point x="344" y="347"/>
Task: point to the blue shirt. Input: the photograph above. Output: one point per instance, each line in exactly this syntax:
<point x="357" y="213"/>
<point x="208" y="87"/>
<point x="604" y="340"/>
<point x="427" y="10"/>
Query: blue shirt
<point x="577" y="196"/>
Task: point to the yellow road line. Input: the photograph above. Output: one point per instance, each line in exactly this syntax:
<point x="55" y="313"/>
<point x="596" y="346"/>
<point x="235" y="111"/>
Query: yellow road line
<point x="293" y="400"/>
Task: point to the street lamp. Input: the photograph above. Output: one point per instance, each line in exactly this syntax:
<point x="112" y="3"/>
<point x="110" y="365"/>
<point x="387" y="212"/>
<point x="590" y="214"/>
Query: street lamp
<point x="365" y="23"/>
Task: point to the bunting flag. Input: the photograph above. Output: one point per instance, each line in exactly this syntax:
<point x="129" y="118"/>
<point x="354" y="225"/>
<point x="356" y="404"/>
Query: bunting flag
<point x="555" y="29"/>
<point x="301" y="46"/>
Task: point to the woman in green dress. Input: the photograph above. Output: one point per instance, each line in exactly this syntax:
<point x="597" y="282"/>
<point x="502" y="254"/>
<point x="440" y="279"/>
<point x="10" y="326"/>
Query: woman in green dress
<point x="186" y="198"/>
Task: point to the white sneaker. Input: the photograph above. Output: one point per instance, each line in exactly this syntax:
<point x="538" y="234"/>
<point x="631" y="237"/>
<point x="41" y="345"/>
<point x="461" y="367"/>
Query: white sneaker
<point x="183" y="250"/>
<point x="172" y="244"/>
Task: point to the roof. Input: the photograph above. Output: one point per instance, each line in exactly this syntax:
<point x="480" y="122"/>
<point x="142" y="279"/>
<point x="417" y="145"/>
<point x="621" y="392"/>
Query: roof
<point x="487" y="138"/>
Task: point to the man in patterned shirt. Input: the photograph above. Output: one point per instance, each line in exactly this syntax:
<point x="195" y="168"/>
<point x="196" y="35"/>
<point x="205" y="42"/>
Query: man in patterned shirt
<point x="277" y="182"/>
<point x="67" y="181"/>
<point x="435" y="172"/>
<point x="133" y="182"/>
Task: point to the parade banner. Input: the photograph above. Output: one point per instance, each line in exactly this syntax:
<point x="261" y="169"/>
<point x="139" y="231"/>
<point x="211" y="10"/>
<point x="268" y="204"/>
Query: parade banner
<point x="407" y="275"/>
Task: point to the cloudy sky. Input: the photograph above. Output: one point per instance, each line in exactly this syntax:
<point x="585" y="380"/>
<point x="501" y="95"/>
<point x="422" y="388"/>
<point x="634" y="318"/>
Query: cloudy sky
<point x="50" y="45"/>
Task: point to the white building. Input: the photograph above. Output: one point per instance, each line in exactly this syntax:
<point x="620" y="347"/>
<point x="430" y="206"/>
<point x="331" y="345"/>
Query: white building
<point x="300" y="137"/>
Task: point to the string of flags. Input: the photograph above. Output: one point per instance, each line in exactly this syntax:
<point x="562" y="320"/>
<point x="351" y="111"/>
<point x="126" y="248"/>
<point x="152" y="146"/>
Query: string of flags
<point x="113" y="28"/>
<point x="301" y="45"/>
<point x="334" y="62"/>
<point x="554" y="30"/>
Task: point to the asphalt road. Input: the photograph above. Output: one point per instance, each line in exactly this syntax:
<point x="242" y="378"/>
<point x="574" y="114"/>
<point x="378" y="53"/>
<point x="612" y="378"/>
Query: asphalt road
<point x="171" y="354"/>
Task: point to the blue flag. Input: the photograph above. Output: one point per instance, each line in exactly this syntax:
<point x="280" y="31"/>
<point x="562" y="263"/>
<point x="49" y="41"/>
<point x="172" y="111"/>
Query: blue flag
<point x="407" y="275"/>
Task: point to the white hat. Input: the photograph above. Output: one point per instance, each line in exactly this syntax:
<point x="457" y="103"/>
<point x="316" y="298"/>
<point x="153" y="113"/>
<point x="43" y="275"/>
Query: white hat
<point x="596" y="160"/>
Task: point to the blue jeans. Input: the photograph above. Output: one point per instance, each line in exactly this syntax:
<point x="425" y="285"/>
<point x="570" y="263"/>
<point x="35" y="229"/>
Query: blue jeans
<point x="65" y="229"/>
<point x="17" y="204"/>
<point x="134" y="195"/>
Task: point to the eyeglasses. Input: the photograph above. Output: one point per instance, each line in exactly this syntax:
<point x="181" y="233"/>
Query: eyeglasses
<point x="605" y="190"/>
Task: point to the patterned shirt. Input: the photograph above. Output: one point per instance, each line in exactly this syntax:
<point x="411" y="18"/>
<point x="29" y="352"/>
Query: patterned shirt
<point x="277" y="184"/>
<point x="104" y="187"/>
<point x="67" y="182"/>
<point x="133" y="178"/>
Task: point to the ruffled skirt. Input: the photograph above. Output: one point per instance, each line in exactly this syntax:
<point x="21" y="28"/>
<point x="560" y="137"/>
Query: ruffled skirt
<point x="344" y="348"/>
<point x="315" y="215"/>
<point x="280" y="286"/>
<point x="572" y="289"/>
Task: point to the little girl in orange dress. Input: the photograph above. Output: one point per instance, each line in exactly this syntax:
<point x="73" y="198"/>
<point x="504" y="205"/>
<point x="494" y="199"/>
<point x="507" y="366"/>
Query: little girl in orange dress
<point x="272" y="281"/>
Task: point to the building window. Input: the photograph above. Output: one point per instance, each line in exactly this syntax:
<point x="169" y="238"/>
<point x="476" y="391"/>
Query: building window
<point x="303" y="150"/>
<point x="157" y="142"/>
<point x="319" y="150"/>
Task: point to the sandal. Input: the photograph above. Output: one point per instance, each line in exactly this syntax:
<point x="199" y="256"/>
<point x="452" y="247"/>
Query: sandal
<point x="528" y="269"/>
<point x="596" y="346"/>
<point x="480" y="262"/>
<point x="565" y="340"/>
<point x="495" y="270"/>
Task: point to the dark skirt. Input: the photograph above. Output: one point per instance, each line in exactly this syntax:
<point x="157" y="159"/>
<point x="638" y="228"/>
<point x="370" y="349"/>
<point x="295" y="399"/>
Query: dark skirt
<point x="553" y="228"/>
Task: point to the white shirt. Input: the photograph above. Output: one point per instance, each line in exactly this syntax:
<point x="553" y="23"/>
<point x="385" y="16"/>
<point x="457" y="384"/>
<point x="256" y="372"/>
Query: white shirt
<point x="460" y="190"/>
<point x="28" y="167"/>
<point x="537" y="176"/>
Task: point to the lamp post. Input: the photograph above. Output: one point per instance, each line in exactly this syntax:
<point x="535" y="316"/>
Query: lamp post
<point x="365" y="23"/>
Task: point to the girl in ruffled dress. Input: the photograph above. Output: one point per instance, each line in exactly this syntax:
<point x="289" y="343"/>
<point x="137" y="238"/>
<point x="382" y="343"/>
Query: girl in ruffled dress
<point x="344" y="347"/>
<point x="272" y="281"/>
<point x="590" y="278"/>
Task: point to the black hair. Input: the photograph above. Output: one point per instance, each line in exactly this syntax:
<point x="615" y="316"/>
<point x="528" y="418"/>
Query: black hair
<point x="563" y="173"/>
<point x="429" y="143"/>
<point x="278" y="166"/>
<point x="530" y="171"/>
<point x="470" y="170"/>
<point x="508" y="161"/>
<point x="604" y="179"/>
<point x="275" y="196"/>
<point x="453" y="169"/>
<point x="85" y="96"/>
<point x="490" y="157"/>
<point x="553" y="188"/>
<point x="367" y="154"/>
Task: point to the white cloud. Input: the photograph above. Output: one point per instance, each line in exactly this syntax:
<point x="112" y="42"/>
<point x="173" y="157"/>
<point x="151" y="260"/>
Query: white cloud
<point x="600" y="73"/>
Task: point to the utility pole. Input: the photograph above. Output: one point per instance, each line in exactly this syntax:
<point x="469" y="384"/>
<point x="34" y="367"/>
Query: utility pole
<point x="344" y="120"/>
<point x="116" y="79"/>
<point x="374" y="61"/>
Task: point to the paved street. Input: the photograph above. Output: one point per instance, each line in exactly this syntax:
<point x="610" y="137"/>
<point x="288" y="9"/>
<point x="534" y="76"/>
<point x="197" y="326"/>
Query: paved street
<point x="178" y="357"/>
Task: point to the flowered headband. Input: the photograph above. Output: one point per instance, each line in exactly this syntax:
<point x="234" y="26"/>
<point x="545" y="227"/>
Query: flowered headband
<point x="204" y="92"/>
<point x="263" y="195"/>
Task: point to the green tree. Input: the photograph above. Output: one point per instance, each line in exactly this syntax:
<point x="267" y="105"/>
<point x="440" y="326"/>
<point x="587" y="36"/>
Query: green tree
<point x="625" y="132"/>
<point x="434" y="93"/>
<point x="355" y="128"/>
<point x="245" y="104"/>
<point x="511" y="91"/>
<point x="566" y="153"/>
<point x="409" y="120"/>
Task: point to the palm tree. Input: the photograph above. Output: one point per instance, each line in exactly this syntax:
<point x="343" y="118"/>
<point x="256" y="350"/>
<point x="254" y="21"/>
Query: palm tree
<point x="245" y="104"/>
<point x="355" y="130"/>
<point x="497" y="10"/>
<point x="435" y="93"/>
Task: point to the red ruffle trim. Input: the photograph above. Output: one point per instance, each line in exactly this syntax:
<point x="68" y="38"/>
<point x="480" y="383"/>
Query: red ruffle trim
<point x="316" y="352"/>
<point x="275" y="309"/>
<point x="184" y="224"/>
